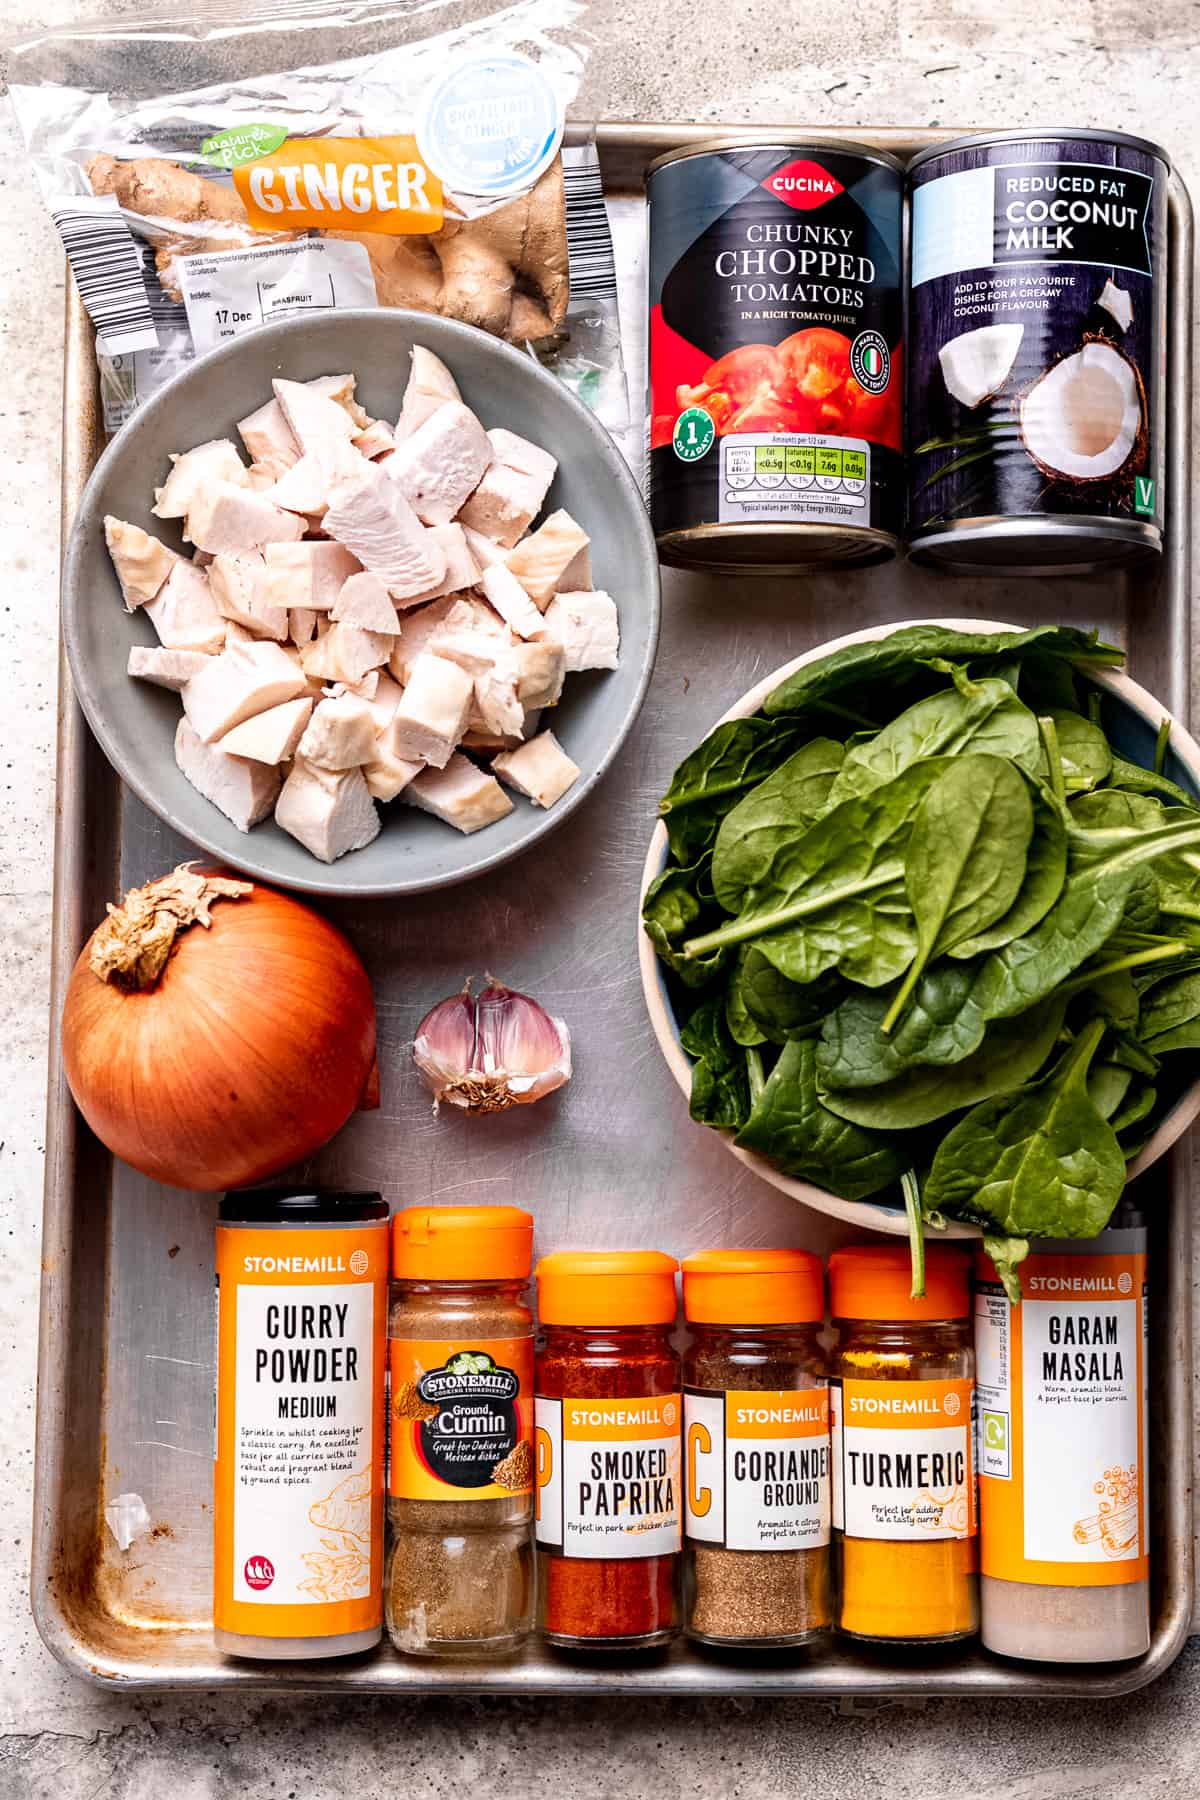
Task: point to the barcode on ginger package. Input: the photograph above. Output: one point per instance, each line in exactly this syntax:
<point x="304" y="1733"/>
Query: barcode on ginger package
<point x="106" y="262"/>
<point x="589" y="240"/>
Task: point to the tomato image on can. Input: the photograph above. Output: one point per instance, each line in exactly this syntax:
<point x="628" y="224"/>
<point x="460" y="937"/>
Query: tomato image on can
<point x="776" y="378"/>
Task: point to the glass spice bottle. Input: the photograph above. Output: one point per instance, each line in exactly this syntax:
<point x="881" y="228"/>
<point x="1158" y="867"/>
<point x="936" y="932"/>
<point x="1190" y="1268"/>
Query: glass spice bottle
<point x="608" y="1450"/>
<point x="901" y="1403"/>
<point x="460" y="1574"/>
<point x="756" y="1449"/>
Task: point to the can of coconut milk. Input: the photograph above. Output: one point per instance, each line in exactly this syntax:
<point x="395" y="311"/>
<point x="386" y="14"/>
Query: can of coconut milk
<point x="776" y="380"/>
<point x="1037" y="382"/>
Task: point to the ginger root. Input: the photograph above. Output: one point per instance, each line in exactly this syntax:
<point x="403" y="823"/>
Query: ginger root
<point x="505" y="271"/>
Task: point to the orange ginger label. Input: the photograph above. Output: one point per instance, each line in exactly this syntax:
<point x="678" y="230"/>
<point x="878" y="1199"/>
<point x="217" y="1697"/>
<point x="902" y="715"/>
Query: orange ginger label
<point x="342" y="184"/>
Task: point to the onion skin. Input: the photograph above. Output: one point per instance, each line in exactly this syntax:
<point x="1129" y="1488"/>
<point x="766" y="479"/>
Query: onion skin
<point x="251" y="1049"/>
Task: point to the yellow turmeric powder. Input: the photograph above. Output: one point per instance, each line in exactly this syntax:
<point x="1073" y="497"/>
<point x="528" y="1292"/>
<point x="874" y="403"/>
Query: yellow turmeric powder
<point x="904" y="1477"/>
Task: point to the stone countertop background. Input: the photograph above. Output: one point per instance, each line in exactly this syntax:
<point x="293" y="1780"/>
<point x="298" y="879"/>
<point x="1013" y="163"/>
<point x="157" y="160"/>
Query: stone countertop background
<point x="958" y="63"/>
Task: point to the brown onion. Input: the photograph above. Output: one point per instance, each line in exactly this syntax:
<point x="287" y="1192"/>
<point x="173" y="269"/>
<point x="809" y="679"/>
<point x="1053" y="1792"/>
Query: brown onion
<point x="212" y="1048"/>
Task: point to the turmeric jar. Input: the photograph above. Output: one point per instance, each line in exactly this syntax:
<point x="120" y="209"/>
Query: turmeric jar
<point x="901" y="1395"/>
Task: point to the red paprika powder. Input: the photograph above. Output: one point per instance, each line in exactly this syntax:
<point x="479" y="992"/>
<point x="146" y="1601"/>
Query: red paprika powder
<point x="607" y="1442"/>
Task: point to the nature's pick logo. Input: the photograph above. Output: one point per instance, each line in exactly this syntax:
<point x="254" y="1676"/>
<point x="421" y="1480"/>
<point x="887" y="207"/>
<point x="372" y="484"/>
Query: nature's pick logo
<point x="803" y="184"/>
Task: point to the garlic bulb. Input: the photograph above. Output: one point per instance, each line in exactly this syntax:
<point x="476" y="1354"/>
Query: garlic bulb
<point x="488" y="1054"/>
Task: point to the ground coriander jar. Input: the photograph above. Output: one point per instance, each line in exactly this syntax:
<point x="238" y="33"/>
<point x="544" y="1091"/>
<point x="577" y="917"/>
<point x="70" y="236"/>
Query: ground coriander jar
<point x="460" y="1573"/>
<point x="608" y="1450"/>
<point x="756" y="1449"/>
<point x="901" y="1403"/>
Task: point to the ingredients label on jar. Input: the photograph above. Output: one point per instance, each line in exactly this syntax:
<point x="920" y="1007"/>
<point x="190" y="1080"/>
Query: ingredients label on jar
<point x="461" y="1418"/>
<point x="299" y="1467"/>
<point x="608" y="1476"/>
<point x="902" y="1459"/>
<point x="1062" y="1432"/>
<point x="758" y="1468"/>
<point x="235" y="291"/>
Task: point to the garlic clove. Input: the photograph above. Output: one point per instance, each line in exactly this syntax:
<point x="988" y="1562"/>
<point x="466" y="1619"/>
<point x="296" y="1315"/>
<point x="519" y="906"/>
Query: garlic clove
<point x="512" y="1053"/>
<point x="444" y="1047"/>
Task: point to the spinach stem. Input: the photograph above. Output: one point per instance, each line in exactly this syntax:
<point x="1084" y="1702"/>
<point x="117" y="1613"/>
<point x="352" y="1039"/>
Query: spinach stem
<point x="916" y="1232"/>
<point x="756" y="925"/>
<point x="1058" y="785"/>
<point x="754" y="1073"/>
<point x="1161" y="742"/>
<point x="1137" y="959"/>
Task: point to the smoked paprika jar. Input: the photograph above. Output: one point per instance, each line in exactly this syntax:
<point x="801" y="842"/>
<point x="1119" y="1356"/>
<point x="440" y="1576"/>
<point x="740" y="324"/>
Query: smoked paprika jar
<point x="607" y="1413"/>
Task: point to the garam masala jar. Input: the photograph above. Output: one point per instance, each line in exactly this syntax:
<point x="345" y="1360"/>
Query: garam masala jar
<point x="756" y="1449"/>
<point x="608" y="1415"/>
<point x="902" y="1389"/>
<point x="460" y="1572"/>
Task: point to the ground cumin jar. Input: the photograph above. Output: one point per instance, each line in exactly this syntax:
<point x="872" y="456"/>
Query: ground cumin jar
<point x="756" y="1448"/>
<point x="902" y="1388"/>
<point x="460" y="1570"/>
<point x="608" y="1450"/>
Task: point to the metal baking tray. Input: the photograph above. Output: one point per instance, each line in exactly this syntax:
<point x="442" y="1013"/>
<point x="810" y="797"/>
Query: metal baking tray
<point x="125" y="1376"/>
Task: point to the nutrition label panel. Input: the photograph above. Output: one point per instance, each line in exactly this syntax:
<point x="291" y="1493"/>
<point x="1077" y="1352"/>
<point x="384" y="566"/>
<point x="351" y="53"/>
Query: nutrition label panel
<point x="801" y="480"/>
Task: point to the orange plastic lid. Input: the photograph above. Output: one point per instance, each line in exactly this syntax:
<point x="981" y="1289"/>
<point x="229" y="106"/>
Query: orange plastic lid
<point x="462" y="1243"/>
<point x="606" y="1287"/>
<point x="753" y="1287"/>
<point x="873" y="1281"/>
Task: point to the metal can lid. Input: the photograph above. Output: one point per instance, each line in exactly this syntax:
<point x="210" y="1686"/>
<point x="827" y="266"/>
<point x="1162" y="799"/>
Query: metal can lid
<point x="1085" y="135"/>
<point x="822" y="146"/>
<point x="300" y="1206"/>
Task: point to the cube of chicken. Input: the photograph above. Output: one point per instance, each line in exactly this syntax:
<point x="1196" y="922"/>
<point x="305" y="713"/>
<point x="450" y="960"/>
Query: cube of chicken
<point x="541" y="666"/>
<point x="340" y="734"/>
<point x="433" y="710"/>
<point x="141" y="562"/>
<point x="384" y="701"/>
<point x="271" y="736"/>
<point x="540" y="560"/>
<point x="244" y="791"/>
<point x="301" y="488"/>
<point x="226" y="517"/>
<point x="504" y="504"/>
<point x="308" y="575"/>
<point x="462" y="570"/>
<point x="430" y="385"/>
<point x="194" y="469"/>
<point x="461" y="795"/>
<point x="320" y="426"/>
<point x="372" y="518"/>
<point x="302" y="624"/>
<point x="340" y="389"/>
<point x="165" y="668"/>
<point x="485" y="550"/>
<point x="442" y="462"/>
<point x="238" y="585"/>
<point x="587" y="627"/>
<point x="362" y="690"/>
<point x="346" y="653"/>
<point x="375" y="439"/>
<point x="496" y="708"/>
<point x="389" y="773"/>
<point x="576" y="578"/>
<point x="268" y="436"/>
<point x="364" y="600"/>
<point x="185" y="614"/>
<point x="526" y="458"/>
<point x="245" y="679"/>
<point x="329" y="814"/>
<point x="510" y="600"/>
<point x="541" y="769"/>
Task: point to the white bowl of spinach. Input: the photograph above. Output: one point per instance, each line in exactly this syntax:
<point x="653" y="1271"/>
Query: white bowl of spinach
<point x="921" y="930"/>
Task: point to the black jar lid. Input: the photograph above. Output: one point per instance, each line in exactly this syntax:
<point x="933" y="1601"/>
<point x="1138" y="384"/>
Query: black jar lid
<point x="300" y="1206"/>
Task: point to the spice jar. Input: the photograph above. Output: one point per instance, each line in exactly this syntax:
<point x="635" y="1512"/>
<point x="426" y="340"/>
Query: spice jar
<point x="756" y="1448"/>
<point x="608" y="1450"/>
<point x="460" y="1572"/>
<point x="903" y="1453"/>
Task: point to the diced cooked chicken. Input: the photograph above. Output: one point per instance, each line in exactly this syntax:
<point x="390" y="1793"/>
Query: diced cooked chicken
<point x="226" y="517"/>
<point x="271" y="736"/>
<point x="527" y="459"/>
<point x="417" y="631"/>
<point x="346" y="653"/>
<point x="430" y="385"/>
<point x="362" y="690"/>
<point x="541" y="769"/>
<point x="185" y="614"/>
<point x="541" y="666"/>
<point x="238" y="584"/>
<point x="308" y="575"/>
<point x="302" y="624"/>
<point x="364" y="600"/>
<point x="576" y="578"/>
<point x="442" y="462"/>
<point x="245" y="679"/>
<point x="462" y="570"/>
<point x="510" y="600"/>
<point x="165" y="668"/>
<point x="375" y="439"/>
<point x="267" y="470"/>
<point x="488" y="742"/>
<point x="244" y="791"/>
<point x="320" y="426"/>
<point x="268" y="436"/>
<point x="329" y="814"/>
<point x="540" y="560"/>
<point x="374" y="520"/>
<point x="340" y="734"/>
<point x="194" y="469"/>
<point x="388" y="773"/>
<point x="141" y="562"/>
<point x="460" y="795"/>
<point x="485" y="550"/>
<point x="302" y="488"/>
<point x="433" y="711"/>
<point x="504" y="505"/>
<point x="587" y="627"/>
<point x="384" y="701"/>
<point x="340" y="389"/>
<point x="497" y="708"/>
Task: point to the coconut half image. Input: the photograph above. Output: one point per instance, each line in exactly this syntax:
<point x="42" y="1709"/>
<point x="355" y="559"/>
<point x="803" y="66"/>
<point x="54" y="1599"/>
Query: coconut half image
<point x="1085" y="418"/>
<point x="976" y="364"/>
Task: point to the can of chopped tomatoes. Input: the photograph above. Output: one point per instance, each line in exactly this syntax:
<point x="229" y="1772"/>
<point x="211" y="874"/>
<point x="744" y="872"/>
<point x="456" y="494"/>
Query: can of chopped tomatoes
<point x="776" y="350"/>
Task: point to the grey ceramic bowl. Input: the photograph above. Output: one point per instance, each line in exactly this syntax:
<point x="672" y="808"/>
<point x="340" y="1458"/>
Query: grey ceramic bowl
<point x="135" y="722"/>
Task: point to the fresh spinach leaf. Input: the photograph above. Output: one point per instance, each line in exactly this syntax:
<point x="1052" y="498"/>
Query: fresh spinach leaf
<point x="1107" y="1086"/>
<point x="1129" y="778"/>
<point x="987" y="719"/>
<point x="791" y="1125"/>
<point x="779" y="809"/>
<point x="1006" y="1255"/>
<point x="1170" y="1015"/>
<point x="1086" y="757"/>
<point x="720" y="1083"/>
<point x="784" y="1009"/>
<point x="937" y="1029"/>
<point x="743" y="1029"/>
<point x="671" y="911"/>
<point x="1045" y="873"/>
<point x="1138" y="1105"/>
<point x="732" y="759"/>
